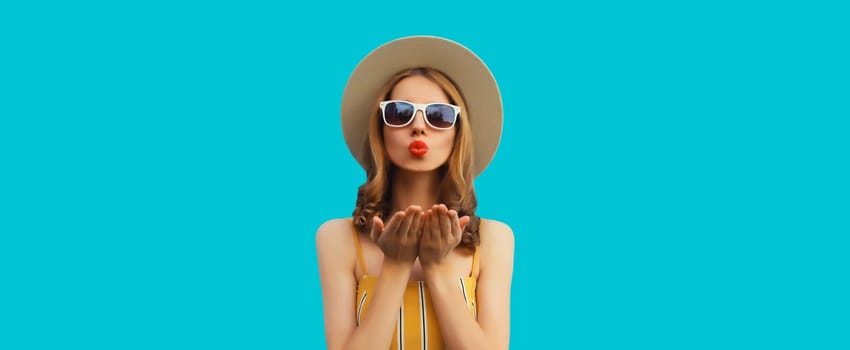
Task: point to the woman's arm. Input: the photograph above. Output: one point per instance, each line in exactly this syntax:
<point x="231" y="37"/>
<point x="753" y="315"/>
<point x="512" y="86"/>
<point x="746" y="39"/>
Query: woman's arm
<point x="459" y="329"/>
<point x="335" y="250"/>
<point x="334" y="245"/>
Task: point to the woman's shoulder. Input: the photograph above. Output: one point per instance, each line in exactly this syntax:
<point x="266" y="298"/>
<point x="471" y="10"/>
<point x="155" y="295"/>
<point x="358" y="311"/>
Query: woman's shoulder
<point x="335" y="224"/>
<point x="334" y="232"/>
<point x="495" y="227"/>
<point x="495" y="232"/>
<point x="496" y="248"/>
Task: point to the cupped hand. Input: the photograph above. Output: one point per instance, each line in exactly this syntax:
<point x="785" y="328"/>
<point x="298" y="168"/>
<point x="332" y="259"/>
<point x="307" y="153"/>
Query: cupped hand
<point x="399" y="238"/>
<point x="441" y="233"/>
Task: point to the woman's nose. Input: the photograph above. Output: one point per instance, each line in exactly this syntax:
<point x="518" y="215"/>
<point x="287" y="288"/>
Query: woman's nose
<point x="418" y="124"/>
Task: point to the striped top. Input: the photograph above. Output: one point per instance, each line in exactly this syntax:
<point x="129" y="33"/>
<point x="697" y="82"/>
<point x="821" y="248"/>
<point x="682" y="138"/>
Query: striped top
<point x="416" y="325"/>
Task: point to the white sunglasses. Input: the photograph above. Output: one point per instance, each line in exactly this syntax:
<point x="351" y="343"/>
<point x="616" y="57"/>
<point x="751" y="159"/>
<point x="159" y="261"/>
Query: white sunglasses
<point x="400" y="113"/>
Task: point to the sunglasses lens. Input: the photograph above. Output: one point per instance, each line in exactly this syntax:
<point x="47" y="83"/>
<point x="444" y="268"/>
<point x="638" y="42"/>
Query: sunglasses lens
<point x="398" y="113"/>
<point x="440" y="116"/>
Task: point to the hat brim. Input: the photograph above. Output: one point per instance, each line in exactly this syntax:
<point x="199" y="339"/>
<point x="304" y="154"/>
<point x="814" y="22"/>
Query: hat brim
<point x="469" y="73"/>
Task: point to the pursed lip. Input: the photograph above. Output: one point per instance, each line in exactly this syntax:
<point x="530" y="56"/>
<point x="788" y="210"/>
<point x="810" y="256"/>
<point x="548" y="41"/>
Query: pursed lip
<point x="418" y="148"/>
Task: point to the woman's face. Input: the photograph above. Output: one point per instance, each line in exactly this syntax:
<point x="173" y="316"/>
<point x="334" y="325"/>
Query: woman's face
<point x="418" y="146"/>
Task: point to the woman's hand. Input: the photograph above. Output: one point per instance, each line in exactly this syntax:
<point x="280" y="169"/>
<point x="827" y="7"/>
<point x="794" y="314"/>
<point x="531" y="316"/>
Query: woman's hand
<point x="441" y="233"/>
<point x="399" y="240"/>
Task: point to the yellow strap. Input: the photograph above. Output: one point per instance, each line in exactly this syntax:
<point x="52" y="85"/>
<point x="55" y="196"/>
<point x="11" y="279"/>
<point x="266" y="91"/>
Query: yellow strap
<point x="474" y="272"/>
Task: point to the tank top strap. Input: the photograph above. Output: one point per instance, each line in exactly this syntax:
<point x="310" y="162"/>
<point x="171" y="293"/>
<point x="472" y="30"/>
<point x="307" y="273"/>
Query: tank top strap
<point x="474" y="272"/>
<point x="359" y="249"/>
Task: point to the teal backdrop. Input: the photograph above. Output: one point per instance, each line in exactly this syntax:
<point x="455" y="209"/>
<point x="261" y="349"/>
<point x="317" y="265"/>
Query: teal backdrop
<point x="675" y="173"/>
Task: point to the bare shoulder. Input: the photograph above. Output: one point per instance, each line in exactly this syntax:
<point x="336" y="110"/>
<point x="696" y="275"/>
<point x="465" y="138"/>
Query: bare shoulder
<point x="495" y="232"/>
<point x="497" y="242"/>
<point x="497" y="253"/>
<point x="334" y="235"/>
<point x="334" y="225"/>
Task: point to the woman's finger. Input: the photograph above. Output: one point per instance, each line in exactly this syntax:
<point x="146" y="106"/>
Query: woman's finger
<point x="435" y="225"/>
<point x="445" y="222"/>
<point x="427" y="227"/>
<point x="416" y="225"/>
<point x="463" y="222"/>
<point x="455" y="224"/>
<point x="394" y="222"/>
<point x="377" y="228"/>
<point x="404" y="226"/>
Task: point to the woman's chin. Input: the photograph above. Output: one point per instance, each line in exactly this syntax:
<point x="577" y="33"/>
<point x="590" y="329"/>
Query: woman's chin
<point x="420" y="167"/>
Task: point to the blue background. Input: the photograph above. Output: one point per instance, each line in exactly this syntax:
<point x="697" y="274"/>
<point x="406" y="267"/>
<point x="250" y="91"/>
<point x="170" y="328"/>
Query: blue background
<point x="675" y="172"/>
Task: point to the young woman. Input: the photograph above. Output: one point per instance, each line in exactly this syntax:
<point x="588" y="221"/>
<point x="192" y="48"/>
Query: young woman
<point x="415" y="268"/>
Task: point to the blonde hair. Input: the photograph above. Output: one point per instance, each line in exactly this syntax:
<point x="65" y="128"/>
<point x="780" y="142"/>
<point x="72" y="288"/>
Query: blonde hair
<point x="456" y="189"/>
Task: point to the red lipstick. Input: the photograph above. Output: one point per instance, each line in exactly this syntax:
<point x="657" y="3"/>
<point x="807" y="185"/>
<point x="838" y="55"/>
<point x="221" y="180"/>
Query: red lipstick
<point x="418" y="148"/>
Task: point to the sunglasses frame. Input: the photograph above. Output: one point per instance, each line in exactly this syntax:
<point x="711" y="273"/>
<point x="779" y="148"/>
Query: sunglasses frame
<point x="416" y="108"/>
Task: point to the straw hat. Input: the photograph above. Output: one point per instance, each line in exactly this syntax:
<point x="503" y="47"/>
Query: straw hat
<point x="468" y="72"/>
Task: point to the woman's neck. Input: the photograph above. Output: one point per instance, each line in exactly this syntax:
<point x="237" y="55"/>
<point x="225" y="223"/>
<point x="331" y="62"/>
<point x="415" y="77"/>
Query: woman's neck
<point x="415" y="188"/>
